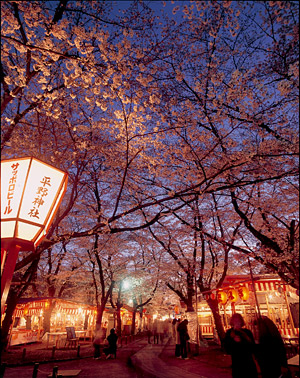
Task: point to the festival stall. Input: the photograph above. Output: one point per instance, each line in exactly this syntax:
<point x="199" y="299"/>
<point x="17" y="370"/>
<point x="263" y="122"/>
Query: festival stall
<point x="264" y="295"/>
<point x="28" y="319"/>
<point x="27" y="325"/>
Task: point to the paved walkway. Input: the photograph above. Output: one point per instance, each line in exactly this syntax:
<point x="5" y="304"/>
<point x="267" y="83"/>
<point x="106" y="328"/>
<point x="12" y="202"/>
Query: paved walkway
<point x="135" y="360"/>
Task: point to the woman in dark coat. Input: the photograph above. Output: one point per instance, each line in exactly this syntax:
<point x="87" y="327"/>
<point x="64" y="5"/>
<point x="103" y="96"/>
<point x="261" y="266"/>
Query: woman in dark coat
<point x="183" y="337"/>
<point x="239" y="343"/>
<point x="271" y="351"/>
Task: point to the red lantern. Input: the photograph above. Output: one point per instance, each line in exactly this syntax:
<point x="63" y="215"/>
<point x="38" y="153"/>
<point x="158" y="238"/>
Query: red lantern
<point x="207" y="296"/>
<point x="222" y="297"/>
<point x="232" y="295"/>
<point x="243" y="293"/>
<point x="212" y="296"/>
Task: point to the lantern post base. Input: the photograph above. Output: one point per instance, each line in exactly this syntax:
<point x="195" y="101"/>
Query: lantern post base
<point x="7" y="274"/>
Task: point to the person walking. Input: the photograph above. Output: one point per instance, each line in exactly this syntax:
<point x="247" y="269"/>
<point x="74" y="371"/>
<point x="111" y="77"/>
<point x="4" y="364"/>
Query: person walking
<point x="239" y="343"/>
<point x="183" y="338"/>
<point x="176" y="337"/>
<point x="160" y="331"/>
<point x="271" y="354"/>
<point x="155" y="332"/>
<point x="112" y="344"/>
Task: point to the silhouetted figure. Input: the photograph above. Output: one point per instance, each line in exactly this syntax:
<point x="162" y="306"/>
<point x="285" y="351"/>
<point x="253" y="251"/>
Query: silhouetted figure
<point x="149" y="334"/>
<point x="183" y="338"/>
<point x="271" y="353"/>
<point x="155" y="332"/>
<point x="239" y="343"/>
<point x="111" y="350"/>
<point x="175" y="324"/>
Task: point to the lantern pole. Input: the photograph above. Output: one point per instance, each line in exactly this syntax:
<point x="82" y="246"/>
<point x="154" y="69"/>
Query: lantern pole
<point x="289" y="312"/>
<point x="197" y="320"/>
<point x="254" y="290"/>
<point x="8" y="271"/>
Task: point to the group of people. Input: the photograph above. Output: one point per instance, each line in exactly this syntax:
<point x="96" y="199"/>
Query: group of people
<point x="248" y="358"/>
<point x="110" y="350"/>
<point x="268" y="356"/>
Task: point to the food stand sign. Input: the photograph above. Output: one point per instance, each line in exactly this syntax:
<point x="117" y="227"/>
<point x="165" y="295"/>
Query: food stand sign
<point x="31" y="192"/>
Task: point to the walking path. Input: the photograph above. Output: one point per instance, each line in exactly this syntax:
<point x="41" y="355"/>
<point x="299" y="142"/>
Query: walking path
<point x="135" y="360"/>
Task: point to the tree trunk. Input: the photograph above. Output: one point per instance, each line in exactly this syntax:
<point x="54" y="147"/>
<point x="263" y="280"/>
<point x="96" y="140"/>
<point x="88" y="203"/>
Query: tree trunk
<point x="213" y="304"/>
<point x="119" y="322"/>
<point x="190" y="293"/>
<point x="133" y="322"/>
<point x="8" y="319"/>
<point x="47" y="316"/>
<point x="100" y="311"/>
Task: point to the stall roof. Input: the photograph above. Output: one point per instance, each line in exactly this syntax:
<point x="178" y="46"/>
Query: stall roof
<point x="43" y="299"/>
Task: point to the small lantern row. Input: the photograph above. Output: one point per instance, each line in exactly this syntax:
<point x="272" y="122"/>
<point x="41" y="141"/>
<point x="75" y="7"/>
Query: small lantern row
<point x="231" y="294"/>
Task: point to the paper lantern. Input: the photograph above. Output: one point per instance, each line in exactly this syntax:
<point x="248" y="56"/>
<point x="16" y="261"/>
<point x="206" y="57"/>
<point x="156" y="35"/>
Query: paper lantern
<point x="243" y="293"/>
<point x="222" y="297"/>
<point x="31" y="192"/>
<point x="212" y="296"/>
<point x="232" y="295"/>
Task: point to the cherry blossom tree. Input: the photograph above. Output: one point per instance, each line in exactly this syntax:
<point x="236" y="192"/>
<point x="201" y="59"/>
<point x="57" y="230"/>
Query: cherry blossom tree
<point x="157" y="109"/>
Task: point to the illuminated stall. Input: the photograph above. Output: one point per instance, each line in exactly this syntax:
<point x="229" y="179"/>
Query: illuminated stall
<point x="27" y="325"/>
<point x="28" y="320"/>
<point x="126" y="319"/>
<point x="266" y="295"/>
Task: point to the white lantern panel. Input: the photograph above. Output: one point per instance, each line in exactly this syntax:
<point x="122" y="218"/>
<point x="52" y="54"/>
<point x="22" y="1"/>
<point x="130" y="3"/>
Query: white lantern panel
<point x="7" y="229"/>
<point x="13" y="175"/>
<point x="56" y="205"/>
<point x="26" y="231"/>
<point x="41" y="190"/>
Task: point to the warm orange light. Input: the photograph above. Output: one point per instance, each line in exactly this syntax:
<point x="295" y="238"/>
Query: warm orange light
<point x="232" y="295"/>
<point x="222" y="297"/>
<point x="243" y="293"/>
<point x="31" y="192"/>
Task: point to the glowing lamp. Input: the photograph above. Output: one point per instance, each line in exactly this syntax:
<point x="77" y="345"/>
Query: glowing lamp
<point x="222" y="297"/>
<point x="243" y="293"/>
<point x="31" y="192"/>
<point x="232" y="295"/>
